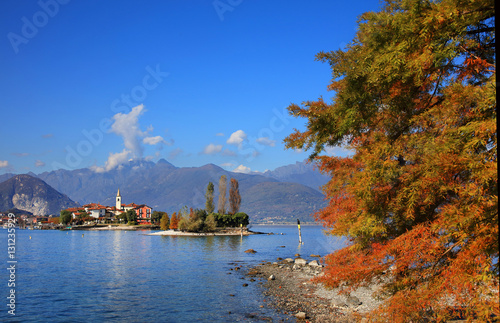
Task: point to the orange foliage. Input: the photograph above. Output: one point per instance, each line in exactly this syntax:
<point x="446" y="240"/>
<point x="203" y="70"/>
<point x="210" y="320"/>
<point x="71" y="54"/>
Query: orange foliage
<point x="415" y="103"/>
<point x="174" y="222"/>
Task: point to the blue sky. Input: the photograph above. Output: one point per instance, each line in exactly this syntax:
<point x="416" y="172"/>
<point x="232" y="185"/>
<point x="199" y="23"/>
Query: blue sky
<point x="96" y="83"/>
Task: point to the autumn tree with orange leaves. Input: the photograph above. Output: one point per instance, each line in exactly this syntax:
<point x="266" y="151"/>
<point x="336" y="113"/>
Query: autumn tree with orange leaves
<point x="174" y="222"/>
<point x="415" y="102"/>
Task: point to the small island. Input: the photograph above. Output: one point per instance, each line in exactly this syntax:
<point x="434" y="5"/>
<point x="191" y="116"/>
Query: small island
<point x="207" y="222"/>
<point x="221" y="232"/>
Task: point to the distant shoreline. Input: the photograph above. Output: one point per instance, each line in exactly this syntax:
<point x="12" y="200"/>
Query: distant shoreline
<point x="220" y="232"/>
<point x="111" y="227"/>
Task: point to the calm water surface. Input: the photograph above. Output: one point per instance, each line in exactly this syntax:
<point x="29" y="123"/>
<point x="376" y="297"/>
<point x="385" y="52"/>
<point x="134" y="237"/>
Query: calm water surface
<point x="126" y="276"/>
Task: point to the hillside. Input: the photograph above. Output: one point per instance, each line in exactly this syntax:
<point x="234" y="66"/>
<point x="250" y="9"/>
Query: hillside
<point x="168" y="188"/>
<point x="285" y="202"/>
<point x="304" y="173"/>
<point x="31" y="194"/>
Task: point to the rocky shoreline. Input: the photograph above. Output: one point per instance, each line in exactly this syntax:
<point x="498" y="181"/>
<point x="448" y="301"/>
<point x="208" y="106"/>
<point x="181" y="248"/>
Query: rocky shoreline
<point x="287" y="283"/>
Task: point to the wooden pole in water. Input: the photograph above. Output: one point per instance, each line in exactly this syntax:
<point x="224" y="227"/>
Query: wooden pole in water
<point x="300" y="234"/>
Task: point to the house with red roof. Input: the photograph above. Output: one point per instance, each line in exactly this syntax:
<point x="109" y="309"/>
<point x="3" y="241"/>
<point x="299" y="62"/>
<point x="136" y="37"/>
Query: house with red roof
<point x="103" y="213"/>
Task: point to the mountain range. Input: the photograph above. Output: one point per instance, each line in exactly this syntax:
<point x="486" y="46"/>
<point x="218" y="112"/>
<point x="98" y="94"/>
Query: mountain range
<point x="28" y="193"/>
<point x="304" y="173"/>
<point x="283" y="195"/>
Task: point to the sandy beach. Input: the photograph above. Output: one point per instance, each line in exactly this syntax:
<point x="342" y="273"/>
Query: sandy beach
<point x="229" y="232"/>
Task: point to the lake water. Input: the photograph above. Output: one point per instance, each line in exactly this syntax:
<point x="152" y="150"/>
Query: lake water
<point x="127" y="276"/>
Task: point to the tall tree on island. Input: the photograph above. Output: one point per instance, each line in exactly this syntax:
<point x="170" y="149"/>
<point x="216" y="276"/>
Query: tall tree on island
<point x="209" y="204"/>
<point x="174" y="222"/>
<point x="165" y="221"/>
<point x="417" y="199"/>
<point x="234" y="197"/>
<point x="221" y="206"/>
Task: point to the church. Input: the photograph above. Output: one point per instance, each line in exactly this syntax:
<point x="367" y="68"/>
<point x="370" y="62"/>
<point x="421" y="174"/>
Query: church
<point x="143" y="211"/>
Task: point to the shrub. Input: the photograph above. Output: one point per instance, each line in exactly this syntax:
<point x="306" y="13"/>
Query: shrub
<point x="210" y="223"/>
<point x="231" y="220"/>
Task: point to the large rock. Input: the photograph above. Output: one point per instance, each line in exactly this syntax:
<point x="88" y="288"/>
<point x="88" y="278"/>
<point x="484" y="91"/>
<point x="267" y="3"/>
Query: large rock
<point x="300" y="261"/>
<point x="301" y="315"/>
<point x="314" y="263"/>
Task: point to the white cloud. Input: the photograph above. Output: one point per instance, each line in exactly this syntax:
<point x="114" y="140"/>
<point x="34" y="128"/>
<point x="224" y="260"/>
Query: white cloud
<point x="242" y="169"/>
<point x="237" y="138"/>
<point x="266" y="141"/>
<point x="4" y="163"/>
<point x="338" y="151"/>
<point x="113" y="161"/>
<point x="211" y="149"/>
<point x="127" y="126"/>
<point x="153" y="140"/>
<point x="227" y="165"/>
<point x="39" y="163"/>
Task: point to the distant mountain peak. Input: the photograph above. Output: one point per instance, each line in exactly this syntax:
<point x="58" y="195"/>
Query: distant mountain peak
<point x="32" y="174"/>
<point x="163" y="161"/>
<point x="32" y="194"/>
<point x="212" y="167"/>
<point x="303" y="172"/>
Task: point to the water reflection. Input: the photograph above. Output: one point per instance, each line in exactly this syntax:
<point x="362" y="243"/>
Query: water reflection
<point x="127" y="276"/>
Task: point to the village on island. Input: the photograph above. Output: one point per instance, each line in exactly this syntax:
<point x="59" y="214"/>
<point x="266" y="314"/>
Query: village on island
<point x="93" y="216"/>
<point x="97" y="213"/>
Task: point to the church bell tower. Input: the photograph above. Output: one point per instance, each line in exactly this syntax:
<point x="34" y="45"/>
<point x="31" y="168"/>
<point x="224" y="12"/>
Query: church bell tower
<point x="118" y="200"/>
